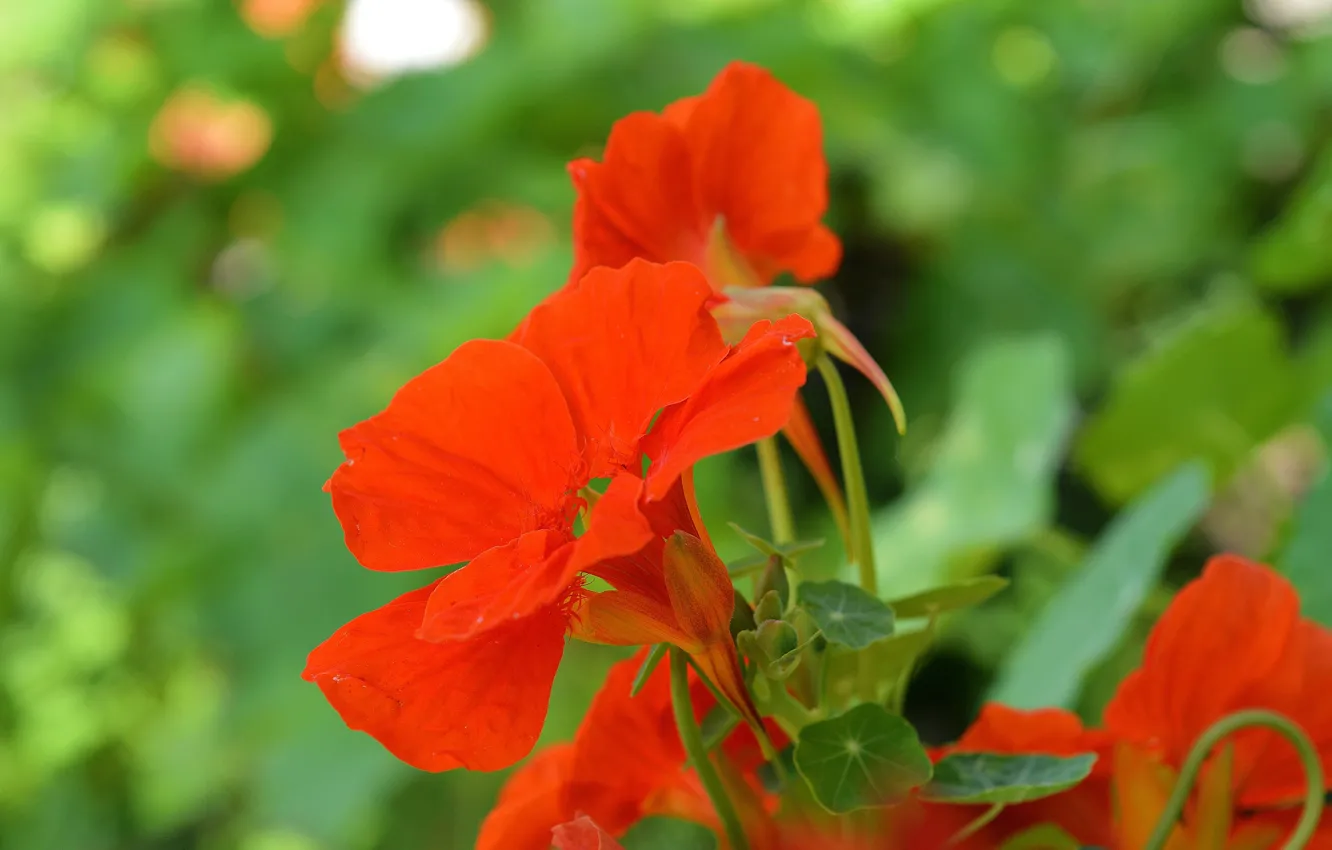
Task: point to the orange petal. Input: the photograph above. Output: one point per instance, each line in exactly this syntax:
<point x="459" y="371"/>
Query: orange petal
<point x="626" y="748"/>
<point x="757" y="150"/>
<point x="616" y="527"/>
<point x="639" y="201"/>
<point x="531" y="804"/>
<point x="472" y="453"/>
<point x="1238" y="611"/>
<point x="441" y="706"/>
<point x="804" y="438"/>
<point x="748" y="396"/>
<point x="622" y="345"/>
<point x="625" y="618"/>
<point x="583" y="834"/>
<point x="499" y="586"/>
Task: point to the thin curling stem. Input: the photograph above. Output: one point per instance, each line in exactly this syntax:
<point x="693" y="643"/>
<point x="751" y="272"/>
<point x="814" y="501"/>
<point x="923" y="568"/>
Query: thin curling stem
<point x="853" y="474"/>
<point x="1313" y="774"/>
<point x="692" y="738"/>
<point x="774" y="492"/>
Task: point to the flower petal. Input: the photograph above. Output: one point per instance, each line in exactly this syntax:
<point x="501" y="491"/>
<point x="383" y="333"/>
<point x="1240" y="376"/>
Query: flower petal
<point x="639" y="201"/>
<point x="531" y="804"/>
<point x="616" y="527"/>
<point x="626" y="618"/>
<point x="622" y="345"/>
<point x="1248" y="615"/>
<point x="499" y="586"/>
<point x="468" y="455"/>
<point x="748" y="396"/>
<point x="757" y="151"/>
<point x="478" y="704"/>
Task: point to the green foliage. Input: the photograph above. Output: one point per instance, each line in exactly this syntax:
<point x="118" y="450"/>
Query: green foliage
<point x="1090" y="611"/>
<point x="846" y="614"/>
<point x="1039" y="202"/>
<point x="949" y="597"/>
<point x="990" y="483"/>
<point x="861" y="759"/>
<point x="989" y="778"/>
<point x="1214" y="389"/>
<point x="1307" y="556"/>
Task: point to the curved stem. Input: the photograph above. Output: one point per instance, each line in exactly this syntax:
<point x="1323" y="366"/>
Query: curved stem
<point x="976" y="825"/>
<point x="780" y="518"/>
<point x="1313" y="774"/>
<point x="853" y="474"/>
<point x="692" y="738"/>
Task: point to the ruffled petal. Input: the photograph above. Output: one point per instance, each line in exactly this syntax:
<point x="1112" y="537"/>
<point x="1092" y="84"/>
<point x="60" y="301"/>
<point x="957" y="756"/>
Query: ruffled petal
<point x="478" y="704"/>
<point x="472" y="453"/>
<point x="616" y="526"/>
<point x="531" y="804"/>
<point x="623" y="344"/>
<point x="639" y="201"/>
<point x="748" y="396"/>
<point x="757" y="151"/>
<point x="1238" y="611"/>
<point x="499" y="586"/>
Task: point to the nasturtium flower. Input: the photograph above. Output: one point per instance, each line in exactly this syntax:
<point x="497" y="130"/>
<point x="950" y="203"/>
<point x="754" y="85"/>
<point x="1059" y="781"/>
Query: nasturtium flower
<point x="625" y="763"/>
<point x="1231" y="640"/>
<point x="734" y="181"/>
<point x="488" y="458"/>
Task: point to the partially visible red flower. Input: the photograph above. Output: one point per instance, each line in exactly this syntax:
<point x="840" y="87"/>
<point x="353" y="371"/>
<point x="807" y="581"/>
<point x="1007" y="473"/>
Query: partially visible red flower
<point x="1232" y="640"/>
<point x="625" y="763"/>
<point x="486" y="457"/>
<point x="733" y="181"/>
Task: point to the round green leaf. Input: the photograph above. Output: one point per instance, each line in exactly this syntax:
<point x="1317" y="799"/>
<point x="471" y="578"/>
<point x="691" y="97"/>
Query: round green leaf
<point x="846" y="614"/>
<point x="992" y="778"/>
<point x="861" y="759"/>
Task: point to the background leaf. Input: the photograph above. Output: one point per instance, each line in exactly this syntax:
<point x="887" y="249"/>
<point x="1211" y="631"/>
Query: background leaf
<point x="1090" y="611"/>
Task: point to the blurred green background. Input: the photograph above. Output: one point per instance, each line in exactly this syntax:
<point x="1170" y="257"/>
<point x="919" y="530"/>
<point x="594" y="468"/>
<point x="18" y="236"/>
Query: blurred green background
<point x="1089" y="240"/>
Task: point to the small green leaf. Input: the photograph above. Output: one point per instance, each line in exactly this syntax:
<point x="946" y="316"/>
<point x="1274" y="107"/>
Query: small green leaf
<point x="1090" y="611"/>
<point x="970" y="778"/>
<point x="846" y="614"/>
<point x="650" y="663"/>
<point x="769" y="549"/>
<point x="950" y="597"/>
<point x="1045" y="836"/>
<point x="780" y="644"/>
<point x="774" y="580"/>
<point x="861" y="759"/>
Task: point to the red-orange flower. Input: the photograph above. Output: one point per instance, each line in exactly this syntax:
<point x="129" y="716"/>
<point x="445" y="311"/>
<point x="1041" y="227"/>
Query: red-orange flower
<point x="1231" y="640"/>
<point x="483" y="457"/>
<point x="733" y="180"/>
<point x="582" y="833"/>
<point x="625" y="763"/>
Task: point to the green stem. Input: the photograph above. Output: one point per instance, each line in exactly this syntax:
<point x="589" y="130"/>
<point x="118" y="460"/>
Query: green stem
<point x="774" y="491"/>
<point x="692" y="738"/>
<point x="857" y="499"/>
<point x="1313" y="774"/>
<point x="976" y="825"/>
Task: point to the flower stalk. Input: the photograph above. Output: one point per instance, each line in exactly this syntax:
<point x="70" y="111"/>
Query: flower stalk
<point x="1313" y="774"/>
<point x="692" y="738"/>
